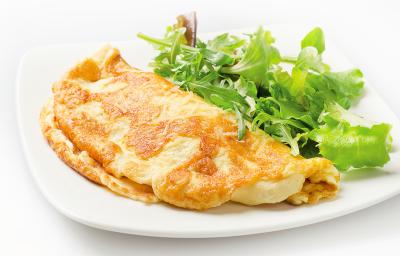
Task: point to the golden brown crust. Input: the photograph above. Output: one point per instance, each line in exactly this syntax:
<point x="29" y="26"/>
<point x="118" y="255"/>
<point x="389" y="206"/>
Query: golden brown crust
<point x="85" y="165"/>
<point x="139" y="126"/>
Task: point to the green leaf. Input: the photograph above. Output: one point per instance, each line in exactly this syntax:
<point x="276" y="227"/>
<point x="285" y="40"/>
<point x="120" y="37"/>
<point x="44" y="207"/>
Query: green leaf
<point x="263" y="119"/>
<point x="217" y="58"/>
<point x="283" y="133"/>
<point x="175" y="49"/>
<point x="309" y="58"/>
<point x="347" y="85"/>
<point x="314" y="38"/>
<point x="280" y="129"/>
<point x="291" y="110"/>
<point x="268" y="37"/>
<point x="287" y="107"/>
<point x="225" y="98"/>
<point x="256" y="60"/>
<point x="241" y="123"/>
<point x="245" y="87"/>
<point x="283" y="79"/>
<point x="354" y="146"/>
<point x="252" y="106"/>
<point x="226" y="43"/>
<point x="298" y="85"/>
<point x="309" y="149"/>
<point x="338" y="113"/>
<point x="341" y="87"/>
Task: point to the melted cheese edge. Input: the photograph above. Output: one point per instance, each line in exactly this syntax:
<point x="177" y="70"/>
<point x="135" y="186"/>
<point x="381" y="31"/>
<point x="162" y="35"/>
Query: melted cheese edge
<point x="269" y="192"/>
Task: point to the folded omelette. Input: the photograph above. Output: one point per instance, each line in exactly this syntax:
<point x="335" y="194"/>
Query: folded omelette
<point x="144" y="138"/>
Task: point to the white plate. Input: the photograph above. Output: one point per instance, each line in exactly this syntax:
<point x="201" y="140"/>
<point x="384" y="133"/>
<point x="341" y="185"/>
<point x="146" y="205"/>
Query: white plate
<point x="90" y="204"/>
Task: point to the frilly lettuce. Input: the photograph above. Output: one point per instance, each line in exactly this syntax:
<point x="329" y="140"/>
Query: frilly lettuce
<point x="353" y="146"/>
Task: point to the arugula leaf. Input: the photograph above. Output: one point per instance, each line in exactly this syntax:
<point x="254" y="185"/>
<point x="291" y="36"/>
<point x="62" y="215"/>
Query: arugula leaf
<point x="314" y="38"/>
<point x="241" y="123"/>
<point x="245" y="87"/>
<point x="225" y="98"/>
<point x="252" y="106"/>
<point x="283" y="133"/>
<point x="257" y="59"/>
<point x="264" y="119"/>
<point x="175" y="49"/>
<point x="281" y="129"/>
<point x="217" y="58"/>
<point x="278" y="129"/>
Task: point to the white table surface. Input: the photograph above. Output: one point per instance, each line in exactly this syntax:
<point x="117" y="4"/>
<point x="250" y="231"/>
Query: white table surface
<point x="367" y="31"/>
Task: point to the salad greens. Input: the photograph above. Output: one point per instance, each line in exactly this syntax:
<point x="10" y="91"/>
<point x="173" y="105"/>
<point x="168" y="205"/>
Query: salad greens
<point x="304" y="106"/>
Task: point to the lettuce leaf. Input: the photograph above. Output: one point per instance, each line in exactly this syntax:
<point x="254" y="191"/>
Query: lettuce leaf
<point x="341" y="87"/>
<point x="257" y="58"/>
<point x="346" y="85"/>
<point x="353" y="146"/>
<point x="309" y="58"/>
<point x="226" y="43"/>
<point x="314" y="38"/>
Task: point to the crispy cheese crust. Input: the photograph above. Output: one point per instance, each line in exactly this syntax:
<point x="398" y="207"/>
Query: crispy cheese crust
<point x="137" y="126"/>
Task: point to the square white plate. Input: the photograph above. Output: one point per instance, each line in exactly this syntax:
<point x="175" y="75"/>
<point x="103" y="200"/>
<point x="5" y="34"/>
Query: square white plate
<point x="90" y="204"/>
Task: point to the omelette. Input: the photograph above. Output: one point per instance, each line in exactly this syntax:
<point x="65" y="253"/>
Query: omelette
<point x="144" y="138"/>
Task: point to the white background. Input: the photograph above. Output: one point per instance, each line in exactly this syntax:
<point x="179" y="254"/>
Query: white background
<point x="367" y="31"/>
